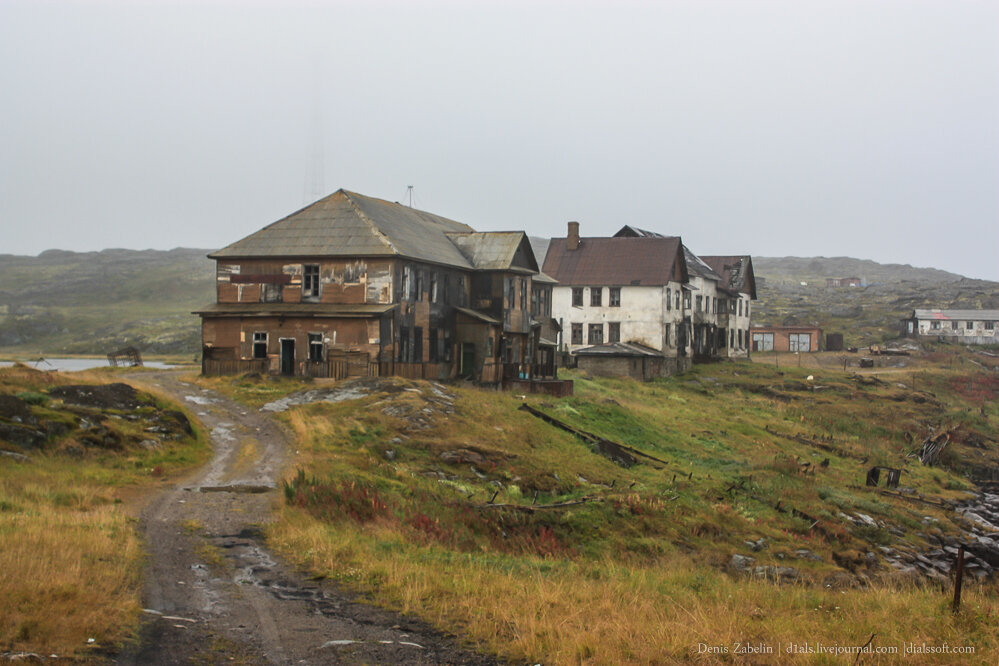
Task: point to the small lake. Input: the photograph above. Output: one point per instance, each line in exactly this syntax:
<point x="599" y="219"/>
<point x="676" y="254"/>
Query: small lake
<point x="74" y="364"/>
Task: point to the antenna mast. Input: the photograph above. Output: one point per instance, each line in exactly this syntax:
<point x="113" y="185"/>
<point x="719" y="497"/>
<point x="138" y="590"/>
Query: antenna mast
<point x="409" y="193"/>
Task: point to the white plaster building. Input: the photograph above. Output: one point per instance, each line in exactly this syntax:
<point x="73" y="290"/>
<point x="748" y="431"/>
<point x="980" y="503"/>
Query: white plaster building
<point x="973" y="327"/>
<point x="621" y="289"/>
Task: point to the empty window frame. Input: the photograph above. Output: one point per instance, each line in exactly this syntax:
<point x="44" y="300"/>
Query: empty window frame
<point x="698" y="302"/>
<point x="433" y="353"/>
<point x="969" y="325"/>
<point x="740" y="307"/>
<point x="595" y="334"/>
<point x="523" y="294"/>
<point x="315" y="347"/>
<point x="990" y="326"/>
<point x="419" y="285"/>
<point x="666" y="335"/>
<point x="677" y="299"/>
<point x="577" y="334"/>
<point x="669" y="298"/>
<point x="259" y="344"/>
<point x="577" y="297"/>
<point x="614" y="297"/>
<point x="953" y="325"/>
<point x="686" y="301"/>
<point x="596" y="296"/>
<point x="433" y="287"/>
<point x="310" y="281"/>
<point x="613" y="331"/>
<point x="935" y="325"/>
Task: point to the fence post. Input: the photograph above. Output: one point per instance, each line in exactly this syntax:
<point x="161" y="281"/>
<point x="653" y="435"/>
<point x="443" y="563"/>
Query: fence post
<point x="958" y="579"/>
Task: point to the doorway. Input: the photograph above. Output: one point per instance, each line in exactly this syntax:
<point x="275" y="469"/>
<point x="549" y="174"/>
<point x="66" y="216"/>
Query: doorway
<point x="287" y="356"/>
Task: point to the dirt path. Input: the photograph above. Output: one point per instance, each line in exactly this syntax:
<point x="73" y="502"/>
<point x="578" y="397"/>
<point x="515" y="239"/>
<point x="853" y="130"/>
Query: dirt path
<point x="214" y="594"/>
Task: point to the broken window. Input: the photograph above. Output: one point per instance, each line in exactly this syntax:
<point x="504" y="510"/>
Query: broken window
<point x="677" y="299"/>
<point x="698" y="302"/>
<point x="614" y="331"/>
<point x="508" y="292"/>
<point x="614" y="297"/>
<point x="935" y="325"/>
<point x="595" y="334"/>
<point x="990" y="325"/>
<point x="310" y="281"/>
<point x="969" y="325"/>
<point x="272" y="292"/>
<point x="669" y="298"/>
<point x="595" y="296"/>
<point x="740" y="307"/>
<point x="433" y="287"/>
<point x="419" y="285"/>
<point x="433" y="351"/>
<point x="489" y="347"/>
<point x="953" y="325"/>
<point x="577" y="334"/>
<point x="404" y="344"/>
<point x="523" y="294"/>
<point x="417" y="344"/>
<point x="577" y="297"/>
<point x="260" y="345"/>
<point x="666" y="336"/>
<point x="315" y="347"/>
<point x="686" y="301"/>
<point x="407" y="284"/>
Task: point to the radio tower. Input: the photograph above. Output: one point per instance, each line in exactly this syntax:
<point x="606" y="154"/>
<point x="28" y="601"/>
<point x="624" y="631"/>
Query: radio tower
<point x="315" y="179"/>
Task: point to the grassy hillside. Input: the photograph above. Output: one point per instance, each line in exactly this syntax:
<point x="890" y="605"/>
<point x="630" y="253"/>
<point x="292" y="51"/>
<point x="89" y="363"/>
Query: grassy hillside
<point x="95" y="302"/>
<point x="71" y="463"/>
<point x="452" y="503"/>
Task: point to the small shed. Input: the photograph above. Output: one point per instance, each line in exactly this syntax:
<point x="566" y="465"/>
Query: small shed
<point x="623" y="359"/>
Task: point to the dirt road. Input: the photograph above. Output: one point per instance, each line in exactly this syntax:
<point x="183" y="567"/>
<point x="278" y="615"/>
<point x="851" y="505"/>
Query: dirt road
<point x="214" y="594"/>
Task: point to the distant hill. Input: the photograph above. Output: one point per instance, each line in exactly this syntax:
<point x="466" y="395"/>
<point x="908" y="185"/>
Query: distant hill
<point x="94" y="302"/>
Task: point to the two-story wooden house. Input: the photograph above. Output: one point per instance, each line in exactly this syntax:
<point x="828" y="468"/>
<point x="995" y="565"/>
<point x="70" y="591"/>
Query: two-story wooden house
<point x="357" y="285"/>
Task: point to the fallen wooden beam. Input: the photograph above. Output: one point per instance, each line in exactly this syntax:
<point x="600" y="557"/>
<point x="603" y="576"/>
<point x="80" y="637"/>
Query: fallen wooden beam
<point x="525" y="508"/>
<point x="623" y="455"/>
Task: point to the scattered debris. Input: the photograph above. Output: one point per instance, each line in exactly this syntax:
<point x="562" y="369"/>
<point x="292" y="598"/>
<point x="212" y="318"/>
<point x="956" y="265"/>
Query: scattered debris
<point x="874" y="476"/>
<point x="929" y="452"/>
<point x="126" y="357"/>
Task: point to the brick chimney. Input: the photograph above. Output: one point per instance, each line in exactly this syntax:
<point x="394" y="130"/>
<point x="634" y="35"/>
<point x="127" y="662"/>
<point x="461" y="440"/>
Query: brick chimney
<point x="572" y="240"/>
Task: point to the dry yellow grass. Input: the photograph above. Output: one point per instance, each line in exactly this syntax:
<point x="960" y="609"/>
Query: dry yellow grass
<point x="609" y="612"/>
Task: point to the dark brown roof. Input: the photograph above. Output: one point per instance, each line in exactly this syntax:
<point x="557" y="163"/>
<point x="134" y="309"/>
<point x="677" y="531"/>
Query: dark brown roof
<point x="617" y="261"/>
<point x="736" y="272"/>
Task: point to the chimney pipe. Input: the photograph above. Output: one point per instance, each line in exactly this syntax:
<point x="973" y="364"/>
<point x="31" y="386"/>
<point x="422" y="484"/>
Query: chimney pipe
<point x="572" y="240"/>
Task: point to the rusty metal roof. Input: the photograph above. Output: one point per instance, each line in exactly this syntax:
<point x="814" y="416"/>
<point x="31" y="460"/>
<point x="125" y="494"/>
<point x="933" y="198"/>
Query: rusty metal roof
<point x="698" y="267"/>
<point x="617" y="349"/>
<point x="346" y="224"/>
<point x="736" y="272"/>
<point x="646" y="261"/>
<point x="957" y="315"/>
<point x="495" y="250"/>
<point x="294" y="310"/>
<point x="481" y="316"/>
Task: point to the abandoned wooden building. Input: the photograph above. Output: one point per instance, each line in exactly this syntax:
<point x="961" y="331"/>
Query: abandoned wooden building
<point x="354" y="285"/>
<point x="972" y="327"/>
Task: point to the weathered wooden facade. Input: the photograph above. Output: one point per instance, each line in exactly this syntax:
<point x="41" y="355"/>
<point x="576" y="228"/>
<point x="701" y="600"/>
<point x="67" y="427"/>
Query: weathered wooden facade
<point x="353" y="285"/>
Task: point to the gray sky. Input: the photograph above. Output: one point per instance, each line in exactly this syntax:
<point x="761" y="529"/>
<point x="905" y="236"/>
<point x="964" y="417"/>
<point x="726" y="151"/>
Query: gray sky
<point x="859" y="128"/>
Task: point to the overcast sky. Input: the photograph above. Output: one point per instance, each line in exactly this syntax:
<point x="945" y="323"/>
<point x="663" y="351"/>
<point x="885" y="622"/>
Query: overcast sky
<point x="865" y="129"/>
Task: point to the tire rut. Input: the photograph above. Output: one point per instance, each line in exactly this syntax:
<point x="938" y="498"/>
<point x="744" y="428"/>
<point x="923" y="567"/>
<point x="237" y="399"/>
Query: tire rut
<point x="213" y="591"/>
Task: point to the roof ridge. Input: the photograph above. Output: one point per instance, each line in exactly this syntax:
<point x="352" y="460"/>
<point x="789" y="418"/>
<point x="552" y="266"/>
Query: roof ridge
<point x="379" y="234"/>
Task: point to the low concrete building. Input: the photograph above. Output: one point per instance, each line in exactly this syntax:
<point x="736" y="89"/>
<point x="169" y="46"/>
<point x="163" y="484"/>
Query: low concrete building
<point x="786" y="338"/>
<point x="971" y="327"/>
<point x="623" y="359"/>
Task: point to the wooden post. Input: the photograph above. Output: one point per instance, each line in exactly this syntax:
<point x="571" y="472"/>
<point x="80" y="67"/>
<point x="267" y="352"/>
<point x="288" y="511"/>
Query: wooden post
<point x="958" y="579"/>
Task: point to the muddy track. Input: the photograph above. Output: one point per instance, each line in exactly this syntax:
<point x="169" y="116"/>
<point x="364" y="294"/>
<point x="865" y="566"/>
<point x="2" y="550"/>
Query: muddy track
<point x="214" y="594"/>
